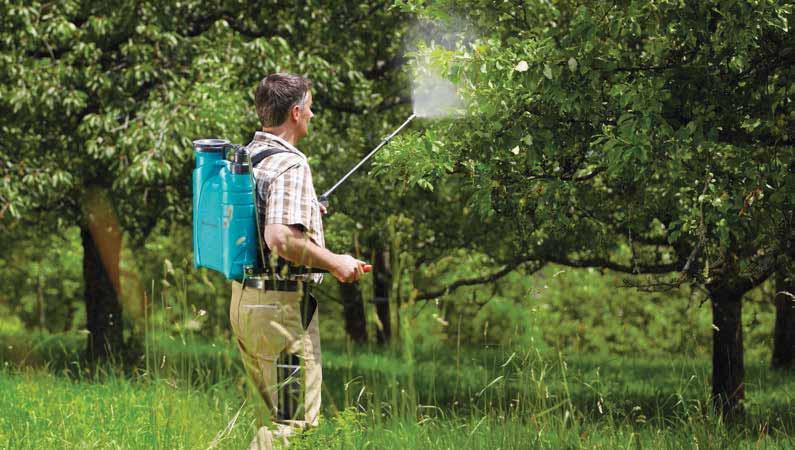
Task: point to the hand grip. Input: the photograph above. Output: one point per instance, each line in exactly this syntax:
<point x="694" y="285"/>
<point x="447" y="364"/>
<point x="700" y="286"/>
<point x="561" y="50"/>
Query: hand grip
<point x="367" y="268"/>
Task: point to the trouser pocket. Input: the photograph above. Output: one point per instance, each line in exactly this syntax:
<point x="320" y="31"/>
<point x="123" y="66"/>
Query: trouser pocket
<point x="261" y="330"/>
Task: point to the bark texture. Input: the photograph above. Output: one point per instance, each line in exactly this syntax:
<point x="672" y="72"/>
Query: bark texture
<point x="103" y="309"/>
<point x="382" y="281"/>
<point x="728" y="369"/>
<point x="784" y="330"/>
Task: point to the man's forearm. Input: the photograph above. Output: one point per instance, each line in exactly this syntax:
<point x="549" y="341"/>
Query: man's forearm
<point x="292" y="244"/>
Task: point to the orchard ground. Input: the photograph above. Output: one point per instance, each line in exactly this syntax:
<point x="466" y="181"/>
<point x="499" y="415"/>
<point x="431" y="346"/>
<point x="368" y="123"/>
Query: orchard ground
<point x="189" y="393"/>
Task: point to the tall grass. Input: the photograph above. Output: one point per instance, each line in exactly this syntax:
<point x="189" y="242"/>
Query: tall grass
<point x="498" y="399"/>
<point x="191" y="392"/>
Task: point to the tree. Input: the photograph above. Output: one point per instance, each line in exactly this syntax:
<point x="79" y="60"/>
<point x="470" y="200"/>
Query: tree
<point x="784" y="331"/>
<point x="107" y="96"/>
<point x="662" y="128"/>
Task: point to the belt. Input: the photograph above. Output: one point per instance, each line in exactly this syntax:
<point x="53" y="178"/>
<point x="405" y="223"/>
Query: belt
<point x="272" y="285"/>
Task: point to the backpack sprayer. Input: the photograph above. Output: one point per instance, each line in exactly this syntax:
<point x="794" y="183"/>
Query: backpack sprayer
<point x="224" y="213"/>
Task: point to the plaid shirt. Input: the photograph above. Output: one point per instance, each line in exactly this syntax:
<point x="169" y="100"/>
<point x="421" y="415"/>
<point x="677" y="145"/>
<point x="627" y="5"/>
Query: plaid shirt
<point x="285" y="193"/>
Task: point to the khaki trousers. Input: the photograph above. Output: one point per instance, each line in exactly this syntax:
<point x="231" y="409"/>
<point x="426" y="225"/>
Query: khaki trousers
<point x="266" y="324"/>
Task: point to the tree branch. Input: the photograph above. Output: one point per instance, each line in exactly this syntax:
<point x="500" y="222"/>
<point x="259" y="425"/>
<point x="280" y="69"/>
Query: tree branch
<point x="612" y="265"/>
<point x="508" y="268"/>
<point x="591" y="175"/>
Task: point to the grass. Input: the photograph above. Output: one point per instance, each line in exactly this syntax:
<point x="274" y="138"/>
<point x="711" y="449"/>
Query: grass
<point x="190" y="394"/>
<point x="46" y="411"/>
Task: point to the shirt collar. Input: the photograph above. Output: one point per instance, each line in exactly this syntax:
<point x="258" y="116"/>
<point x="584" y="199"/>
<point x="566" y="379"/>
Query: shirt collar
<point x="265" y="136"/>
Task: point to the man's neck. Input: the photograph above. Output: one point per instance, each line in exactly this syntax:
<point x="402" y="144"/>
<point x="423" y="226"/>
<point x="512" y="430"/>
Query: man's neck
<point x="283" y="132"/>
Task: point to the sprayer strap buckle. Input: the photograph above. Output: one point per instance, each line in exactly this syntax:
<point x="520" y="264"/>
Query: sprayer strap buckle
<point x="272" y="285"/>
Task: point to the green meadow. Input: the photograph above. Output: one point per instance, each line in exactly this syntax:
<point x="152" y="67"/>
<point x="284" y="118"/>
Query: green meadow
<point x="557" y="359"/>
<point x="194" y="395"/>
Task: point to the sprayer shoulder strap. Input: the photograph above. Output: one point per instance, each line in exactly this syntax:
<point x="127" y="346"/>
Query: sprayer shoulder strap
<point x="256" y="159"/>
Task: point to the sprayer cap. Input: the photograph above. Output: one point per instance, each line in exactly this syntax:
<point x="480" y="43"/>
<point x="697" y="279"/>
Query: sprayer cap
<point x="241" y="155"/>
<point x="239" y="160"/>
<point x="210" y="145"/>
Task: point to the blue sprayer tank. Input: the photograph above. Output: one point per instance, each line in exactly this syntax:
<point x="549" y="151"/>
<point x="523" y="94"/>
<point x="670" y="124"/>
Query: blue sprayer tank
<point x="224" y="226"/>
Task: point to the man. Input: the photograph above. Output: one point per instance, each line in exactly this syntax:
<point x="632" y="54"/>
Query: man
<point x="265" y="313"/>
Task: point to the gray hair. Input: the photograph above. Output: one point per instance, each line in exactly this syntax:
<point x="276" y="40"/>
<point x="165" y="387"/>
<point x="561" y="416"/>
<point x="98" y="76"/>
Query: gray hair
<point x="276" y="94"/>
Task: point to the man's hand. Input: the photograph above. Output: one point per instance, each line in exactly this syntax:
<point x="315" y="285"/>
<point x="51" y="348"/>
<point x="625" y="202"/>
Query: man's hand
<point x="347" y="269"/>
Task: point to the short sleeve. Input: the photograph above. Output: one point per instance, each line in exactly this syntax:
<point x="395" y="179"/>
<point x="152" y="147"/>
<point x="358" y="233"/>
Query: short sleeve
<point x="290" y="198"/>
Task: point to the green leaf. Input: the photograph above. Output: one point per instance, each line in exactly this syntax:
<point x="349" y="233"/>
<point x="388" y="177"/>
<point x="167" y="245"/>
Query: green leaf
<point x="547" y="71"/>
<point x="572" y="64"/>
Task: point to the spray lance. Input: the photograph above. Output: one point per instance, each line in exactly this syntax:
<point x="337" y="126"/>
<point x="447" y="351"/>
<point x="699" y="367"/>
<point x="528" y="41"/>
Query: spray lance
<point x="323" y="199"/>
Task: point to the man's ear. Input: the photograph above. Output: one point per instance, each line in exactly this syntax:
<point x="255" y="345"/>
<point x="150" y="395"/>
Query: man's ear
<point x="295" y="113"/>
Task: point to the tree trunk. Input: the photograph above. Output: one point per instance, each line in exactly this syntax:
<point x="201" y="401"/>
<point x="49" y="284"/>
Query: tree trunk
<point x="728" y="371"/>
<point x="353" y="310"/>
<point x="381" y="286"/>
<point x="784" y="331"/>
<point x="103" y="309"/>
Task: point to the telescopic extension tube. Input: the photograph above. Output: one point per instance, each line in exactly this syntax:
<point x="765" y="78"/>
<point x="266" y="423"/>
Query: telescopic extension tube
<point x="323" y="199"/>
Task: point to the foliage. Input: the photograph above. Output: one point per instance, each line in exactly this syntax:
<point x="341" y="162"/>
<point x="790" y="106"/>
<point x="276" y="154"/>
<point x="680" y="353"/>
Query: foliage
<point x="660" y="126"/>
<point x="572" y="310"/>
<point x="40" y="279"/>
<point x="116" y="92"/>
